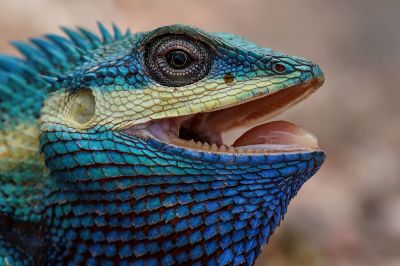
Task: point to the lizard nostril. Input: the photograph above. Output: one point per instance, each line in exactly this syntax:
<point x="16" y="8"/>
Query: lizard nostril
<point x="280" y="68"/>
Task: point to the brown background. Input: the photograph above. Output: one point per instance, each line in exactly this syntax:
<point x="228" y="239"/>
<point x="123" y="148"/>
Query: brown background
<point x="349" y="213"/>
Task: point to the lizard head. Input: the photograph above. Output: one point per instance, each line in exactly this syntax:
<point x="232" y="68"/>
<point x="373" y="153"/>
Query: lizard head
<point x="184" y="87"/>
<point x="143" y="120"/>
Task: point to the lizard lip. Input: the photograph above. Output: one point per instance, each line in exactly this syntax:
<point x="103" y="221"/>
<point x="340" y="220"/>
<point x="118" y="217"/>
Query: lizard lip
<point x="204" y="131"/>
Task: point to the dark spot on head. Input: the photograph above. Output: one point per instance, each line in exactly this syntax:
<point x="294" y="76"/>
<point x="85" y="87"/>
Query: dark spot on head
<point x="229" y="79"/>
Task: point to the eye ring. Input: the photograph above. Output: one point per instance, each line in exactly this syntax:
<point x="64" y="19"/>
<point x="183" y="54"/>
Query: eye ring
<point x="176" y="60"/>
<point x="279" y="68"/>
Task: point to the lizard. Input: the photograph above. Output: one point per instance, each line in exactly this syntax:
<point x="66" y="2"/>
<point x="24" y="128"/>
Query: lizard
<point x="113" y="147"/>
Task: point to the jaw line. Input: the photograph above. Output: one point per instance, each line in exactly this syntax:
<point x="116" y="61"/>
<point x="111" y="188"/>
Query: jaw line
<point x="253" y="111"/>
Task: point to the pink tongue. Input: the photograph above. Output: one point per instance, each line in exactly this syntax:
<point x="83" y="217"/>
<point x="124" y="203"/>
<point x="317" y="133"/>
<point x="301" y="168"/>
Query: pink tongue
<point x="278" y="135"/>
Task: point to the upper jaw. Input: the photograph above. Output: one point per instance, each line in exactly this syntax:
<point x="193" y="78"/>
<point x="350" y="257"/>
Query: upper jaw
<point x="203" y="131"/>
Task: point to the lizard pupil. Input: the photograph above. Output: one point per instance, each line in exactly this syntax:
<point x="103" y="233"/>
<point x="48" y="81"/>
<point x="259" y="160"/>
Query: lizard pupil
<point x="178" y="59"/>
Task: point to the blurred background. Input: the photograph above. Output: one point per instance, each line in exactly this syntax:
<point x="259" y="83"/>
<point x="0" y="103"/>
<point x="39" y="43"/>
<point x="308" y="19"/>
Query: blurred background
<point x="349" y="213"/>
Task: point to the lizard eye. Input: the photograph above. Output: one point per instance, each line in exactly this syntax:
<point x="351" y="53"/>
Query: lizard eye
<point x="177" y="60"/>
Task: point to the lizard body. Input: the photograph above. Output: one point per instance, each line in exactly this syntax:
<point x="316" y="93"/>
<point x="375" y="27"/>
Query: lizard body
<point x="131" y="166"/>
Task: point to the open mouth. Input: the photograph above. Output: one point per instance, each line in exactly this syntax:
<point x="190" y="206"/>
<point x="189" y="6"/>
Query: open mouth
<point x="204" y="131"/>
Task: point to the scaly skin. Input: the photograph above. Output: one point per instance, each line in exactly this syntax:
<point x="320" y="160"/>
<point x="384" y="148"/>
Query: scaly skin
<point x="96" y="195"/>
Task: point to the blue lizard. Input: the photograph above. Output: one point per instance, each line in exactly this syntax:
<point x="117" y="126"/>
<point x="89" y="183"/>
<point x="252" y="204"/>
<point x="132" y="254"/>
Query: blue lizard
<point x="133" y="166"/>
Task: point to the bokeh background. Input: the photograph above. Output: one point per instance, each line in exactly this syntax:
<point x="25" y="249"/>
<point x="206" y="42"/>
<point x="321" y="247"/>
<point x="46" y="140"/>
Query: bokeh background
<point x="349" y="213"/>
